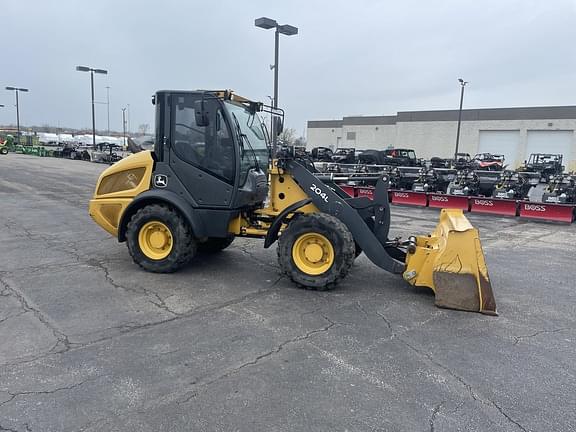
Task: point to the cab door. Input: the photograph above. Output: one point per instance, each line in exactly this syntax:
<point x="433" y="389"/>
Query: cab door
<point x="202" y="157"/>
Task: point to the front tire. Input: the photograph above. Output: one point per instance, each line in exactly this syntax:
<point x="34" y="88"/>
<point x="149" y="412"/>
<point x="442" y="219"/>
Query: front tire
<point x="316" y="251"/>
<point x="159" y="239"/>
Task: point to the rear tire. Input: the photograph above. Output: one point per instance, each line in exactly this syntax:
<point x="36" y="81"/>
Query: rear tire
<point x="215" y="244"/>
<point x="316" y="251"/>
<point x="4" y="151"/>
<point x="159" y="239"/>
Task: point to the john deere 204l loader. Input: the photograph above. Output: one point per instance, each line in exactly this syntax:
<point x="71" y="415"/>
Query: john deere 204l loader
<point x="210" y="179"/>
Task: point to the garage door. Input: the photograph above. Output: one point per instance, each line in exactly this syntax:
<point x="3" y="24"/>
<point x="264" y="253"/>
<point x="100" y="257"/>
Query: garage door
<point x="559" y="142"/>
<point x="501" y="142"/>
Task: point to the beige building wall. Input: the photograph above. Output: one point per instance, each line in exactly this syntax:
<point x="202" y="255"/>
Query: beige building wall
<point x="430" y="139"/>
<point x="323" y="137"/>
<point x="436" y="138"/>
<point x="369" y="136"/>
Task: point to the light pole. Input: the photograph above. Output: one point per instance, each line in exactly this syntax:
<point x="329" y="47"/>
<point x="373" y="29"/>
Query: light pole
<point x="128" y="117"/>
<point x="271" y="116"/>
<point x="108" y="106"/>
<point x="17" y="90"/>
<point x="92" y="72"/>
<point x="285" y="29"/>
<point x="124" y="125"/>
<point x="462" y="85"/>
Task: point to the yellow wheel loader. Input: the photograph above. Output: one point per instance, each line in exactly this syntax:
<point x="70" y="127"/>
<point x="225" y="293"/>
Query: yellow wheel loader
<point x="210" y="179"/>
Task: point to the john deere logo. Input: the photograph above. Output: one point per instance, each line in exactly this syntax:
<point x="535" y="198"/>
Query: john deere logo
<point x="160" y="181"/>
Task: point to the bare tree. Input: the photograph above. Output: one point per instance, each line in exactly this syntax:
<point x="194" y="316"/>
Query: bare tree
<point x="143" y="128"/>
<point x="287" y="137"/>
<point x="300" y="142"/>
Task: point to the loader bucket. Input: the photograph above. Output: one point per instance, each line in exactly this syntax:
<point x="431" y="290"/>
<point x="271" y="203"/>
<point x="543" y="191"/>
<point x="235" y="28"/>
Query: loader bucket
<point x="450" y="261"/>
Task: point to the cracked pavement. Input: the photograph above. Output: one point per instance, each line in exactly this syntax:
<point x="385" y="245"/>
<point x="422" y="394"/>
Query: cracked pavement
<point x="89" y="342"/>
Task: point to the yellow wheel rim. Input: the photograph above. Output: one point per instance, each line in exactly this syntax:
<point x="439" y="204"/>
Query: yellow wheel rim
<point x="155" y="240"/>
<point x="313" y="254"/>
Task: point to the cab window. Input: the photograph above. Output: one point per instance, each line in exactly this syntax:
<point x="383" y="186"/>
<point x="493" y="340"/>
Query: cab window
<point x="210" y="148"/>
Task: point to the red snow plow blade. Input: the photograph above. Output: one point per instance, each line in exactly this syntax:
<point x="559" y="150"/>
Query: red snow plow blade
<point x="494" y="206"/>
<point x="366" y="191"/>
<point x="547" y="211"/>
<point x="409" y="198"/>
<point x="350" y="190"/>
<point x="448" y="201"/>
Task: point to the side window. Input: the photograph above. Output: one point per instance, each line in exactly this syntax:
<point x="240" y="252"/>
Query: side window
<point x="188" y="139"/>
<point x="210" y="148"/>
<point x="219" y="155"/>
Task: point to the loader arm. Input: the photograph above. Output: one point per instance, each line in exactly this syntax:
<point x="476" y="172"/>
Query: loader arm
<point x="329" y="201"/>
<point x="450" y="260"/>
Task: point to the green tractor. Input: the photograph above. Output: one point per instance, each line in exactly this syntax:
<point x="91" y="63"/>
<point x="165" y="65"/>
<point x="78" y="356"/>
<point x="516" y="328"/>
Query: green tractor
<point x="7" y="145"/>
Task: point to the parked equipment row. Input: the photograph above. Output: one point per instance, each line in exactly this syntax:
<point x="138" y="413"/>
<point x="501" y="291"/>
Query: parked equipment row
<point x="496" y="206"/>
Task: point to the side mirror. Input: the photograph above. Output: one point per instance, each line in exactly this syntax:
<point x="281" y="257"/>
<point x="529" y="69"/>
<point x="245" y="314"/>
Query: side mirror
<point x="201" y="114"/>
<point x="278" y="125"/>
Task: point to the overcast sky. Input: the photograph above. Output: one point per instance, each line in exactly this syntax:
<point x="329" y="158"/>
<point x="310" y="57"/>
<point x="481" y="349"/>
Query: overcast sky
<point x="361" y="57"/>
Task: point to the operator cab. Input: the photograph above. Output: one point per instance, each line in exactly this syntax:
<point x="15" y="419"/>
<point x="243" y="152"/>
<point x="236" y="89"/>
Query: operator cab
<point x="212" y="146"/>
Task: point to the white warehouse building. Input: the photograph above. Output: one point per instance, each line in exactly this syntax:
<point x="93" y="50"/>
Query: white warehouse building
<point x="513" y="132"/>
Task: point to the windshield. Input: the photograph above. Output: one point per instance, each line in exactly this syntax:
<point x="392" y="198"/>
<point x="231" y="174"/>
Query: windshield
<point x="251" y="126"/>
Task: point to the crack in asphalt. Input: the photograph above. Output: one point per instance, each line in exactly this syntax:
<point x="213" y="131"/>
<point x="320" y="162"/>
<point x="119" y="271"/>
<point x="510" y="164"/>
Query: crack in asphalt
<point x="361" y="308"/>
<point x="446" y="369"/>
<point x="126" y="328"/>
<point x="517" y="339"/>
<point x="435" y="412"/>
<point x="151" y="296"/>
<point x="44" y="392"/>
<point x="71" y="248"/>
<point x="12" y="316"/>
<point x="161" y="303"/>
<point x="261" y="357"/>
<point x="244" y="250"/>
<point x="473" y="394"/>
<point x="182" y="397"/>
<point x="62" y="343"/>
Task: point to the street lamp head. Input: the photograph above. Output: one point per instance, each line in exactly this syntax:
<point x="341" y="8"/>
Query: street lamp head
<point x="462" y="82"/>
<point x="100" y="71"/>
<point x="288" y="30"/>
<point x="82" y="69"/>
<point x="22" y="89"/>
<point x="265" y="23"/>
<point x="10" y="88"/>
<point x="17" y="89"/>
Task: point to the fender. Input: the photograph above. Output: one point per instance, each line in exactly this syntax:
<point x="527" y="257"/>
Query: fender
<point x="272" y="234"/>
<point x="160" y="196"/>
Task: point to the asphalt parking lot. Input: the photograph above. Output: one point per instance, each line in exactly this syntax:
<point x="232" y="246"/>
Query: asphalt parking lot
<point x="90" y="342"/>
